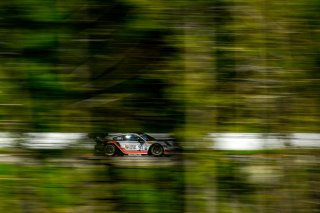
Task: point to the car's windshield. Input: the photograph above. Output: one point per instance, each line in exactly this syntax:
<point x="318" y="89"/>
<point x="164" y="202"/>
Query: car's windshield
<point x="147" y="137"/>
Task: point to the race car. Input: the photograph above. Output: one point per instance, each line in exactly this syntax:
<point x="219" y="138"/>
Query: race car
<point x="134" y="144"/>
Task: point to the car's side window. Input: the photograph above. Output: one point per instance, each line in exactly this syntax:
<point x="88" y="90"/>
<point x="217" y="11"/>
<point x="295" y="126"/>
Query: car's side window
<point x="118" y="138"/>
<point x="133" y="138"/>
<point x="127" y="137"/>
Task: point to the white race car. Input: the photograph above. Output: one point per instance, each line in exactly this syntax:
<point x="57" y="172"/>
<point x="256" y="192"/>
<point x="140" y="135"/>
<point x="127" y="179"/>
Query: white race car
<point x="135" y="144"/>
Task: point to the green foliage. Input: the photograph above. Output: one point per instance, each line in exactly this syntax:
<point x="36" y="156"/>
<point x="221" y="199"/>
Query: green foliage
<point x="187" y="67"/>
<point x="160" y="65"/>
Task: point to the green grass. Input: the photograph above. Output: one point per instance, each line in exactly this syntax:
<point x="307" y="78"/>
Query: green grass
<point x="147" y="189"/>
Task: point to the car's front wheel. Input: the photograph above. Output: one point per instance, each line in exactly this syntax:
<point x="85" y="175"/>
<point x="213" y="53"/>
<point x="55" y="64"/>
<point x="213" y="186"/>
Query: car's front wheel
<point x="156" y="150"/>
<point x="110" y="150"/>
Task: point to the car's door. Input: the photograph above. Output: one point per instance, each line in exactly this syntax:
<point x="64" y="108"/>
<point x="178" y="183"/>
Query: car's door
<point x="143" y="144"/>
<point x="131" y="143"/>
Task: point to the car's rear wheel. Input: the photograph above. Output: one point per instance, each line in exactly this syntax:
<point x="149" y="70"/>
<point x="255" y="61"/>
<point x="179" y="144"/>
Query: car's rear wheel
<point x="156" y="150"/>
<point x="110" y="150"/>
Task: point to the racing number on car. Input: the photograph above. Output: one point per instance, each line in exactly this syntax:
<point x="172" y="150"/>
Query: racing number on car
<point x="144" y="147"/>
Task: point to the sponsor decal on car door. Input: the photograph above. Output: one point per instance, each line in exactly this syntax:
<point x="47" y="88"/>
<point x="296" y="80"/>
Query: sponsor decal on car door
<point x="131" y="144"/>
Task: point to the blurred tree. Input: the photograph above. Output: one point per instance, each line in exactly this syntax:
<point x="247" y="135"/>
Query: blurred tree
<point x="189" y="67"/>
<point x="85" y="63"/>
<point x="234" y="66"/>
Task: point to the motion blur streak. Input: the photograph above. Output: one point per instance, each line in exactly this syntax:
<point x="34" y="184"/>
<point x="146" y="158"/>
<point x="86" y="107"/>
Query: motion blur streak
<point x="197" y="69"/>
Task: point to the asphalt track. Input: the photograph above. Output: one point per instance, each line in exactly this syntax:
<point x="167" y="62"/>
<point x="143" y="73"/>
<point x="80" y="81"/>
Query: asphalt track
<point x="90" y="160"/>
<point x="135" y="160"/>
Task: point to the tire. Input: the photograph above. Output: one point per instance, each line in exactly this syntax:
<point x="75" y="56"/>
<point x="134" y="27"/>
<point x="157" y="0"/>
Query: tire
<point x="110" y="150"/>
<point x="156" y="150"/>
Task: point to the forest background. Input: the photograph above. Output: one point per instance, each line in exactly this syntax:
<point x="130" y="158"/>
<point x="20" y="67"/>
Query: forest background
<point x="185" y="67"/>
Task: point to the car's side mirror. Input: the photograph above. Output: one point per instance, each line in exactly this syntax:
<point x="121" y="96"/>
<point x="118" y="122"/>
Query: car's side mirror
<point x="140" y="140"/>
